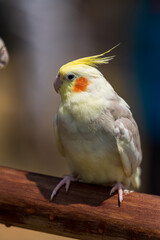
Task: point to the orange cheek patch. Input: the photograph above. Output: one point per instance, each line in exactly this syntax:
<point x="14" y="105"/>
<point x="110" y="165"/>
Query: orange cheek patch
<point x="80" y="85"/>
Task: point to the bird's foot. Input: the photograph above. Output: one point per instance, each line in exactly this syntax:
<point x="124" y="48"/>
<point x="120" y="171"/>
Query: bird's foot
<point x="67" y="179"/>
<point x="120" y="188"/>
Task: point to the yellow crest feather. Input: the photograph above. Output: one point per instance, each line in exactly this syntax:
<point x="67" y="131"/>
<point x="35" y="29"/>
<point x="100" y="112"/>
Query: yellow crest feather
<point x="93" y="60"/>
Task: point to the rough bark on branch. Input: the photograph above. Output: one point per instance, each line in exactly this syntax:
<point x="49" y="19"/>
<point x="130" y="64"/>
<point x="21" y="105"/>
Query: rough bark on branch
<point x="85" y="212"/>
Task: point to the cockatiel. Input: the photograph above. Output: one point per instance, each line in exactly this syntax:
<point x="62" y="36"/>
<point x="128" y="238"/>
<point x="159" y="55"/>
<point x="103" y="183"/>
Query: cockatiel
<point x="4" y="57"/>
<point x="95" y="129"/>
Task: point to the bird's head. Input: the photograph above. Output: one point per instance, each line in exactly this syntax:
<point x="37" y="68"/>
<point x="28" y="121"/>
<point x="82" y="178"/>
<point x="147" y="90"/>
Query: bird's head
<point x="81" y="76"/>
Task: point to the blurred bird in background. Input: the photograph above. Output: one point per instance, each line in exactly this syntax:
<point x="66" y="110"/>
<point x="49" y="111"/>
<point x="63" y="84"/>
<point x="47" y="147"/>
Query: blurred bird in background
<point x="95" y="129"/>
<point x="4" y="57"/>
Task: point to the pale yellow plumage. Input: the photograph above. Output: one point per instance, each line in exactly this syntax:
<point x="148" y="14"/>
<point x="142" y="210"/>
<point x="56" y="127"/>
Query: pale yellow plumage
<point x="94" y="127"/>
<point x="58" y="140"/>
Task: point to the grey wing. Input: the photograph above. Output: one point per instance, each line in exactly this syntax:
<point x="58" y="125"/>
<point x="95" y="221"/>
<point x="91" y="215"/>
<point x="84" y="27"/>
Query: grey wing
<point x="127" y="136"/>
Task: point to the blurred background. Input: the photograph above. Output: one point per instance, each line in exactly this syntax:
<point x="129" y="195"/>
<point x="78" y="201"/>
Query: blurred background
<point x="42" y="35"/>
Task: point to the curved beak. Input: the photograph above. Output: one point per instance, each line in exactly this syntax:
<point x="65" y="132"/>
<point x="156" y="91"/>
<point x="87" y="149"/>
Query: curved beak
<point x="57" y="83"/>
<point x="4" y="57"/>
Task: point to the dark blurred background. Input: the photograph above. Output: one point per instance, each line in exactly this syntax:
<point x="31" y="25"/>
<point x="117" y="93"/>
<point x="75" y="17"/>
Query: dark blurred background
<point x="42" y="35"/>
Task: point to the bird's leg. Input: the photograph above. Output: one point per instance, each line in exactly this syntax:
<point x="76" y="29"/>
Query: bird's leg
<point x="67" y="179"/>
<point x="120" y="188"/>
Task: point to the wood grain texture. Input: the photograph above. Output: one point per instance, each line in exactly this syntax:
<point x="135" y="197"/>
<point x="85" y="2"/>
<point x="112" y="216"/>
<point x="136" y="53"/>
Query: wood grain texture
<point x="85" y="212"/>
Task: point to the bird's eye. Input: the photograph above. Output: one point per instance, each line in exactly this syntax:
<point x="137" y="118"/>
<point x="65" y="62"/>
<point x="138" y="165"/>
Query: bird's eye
<point x="71" y="76"/>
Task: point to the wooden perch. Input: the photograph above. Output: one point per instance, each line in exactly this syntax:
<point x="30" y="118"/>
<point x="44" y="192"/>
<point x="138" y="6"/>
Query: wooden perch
<point x="86" y="212"/>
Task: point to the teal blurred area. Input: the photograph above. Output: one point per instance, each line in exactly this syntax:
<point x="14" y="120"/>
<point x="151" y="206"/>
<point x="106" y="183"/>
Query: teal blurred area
<point x="43" y="35"/>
